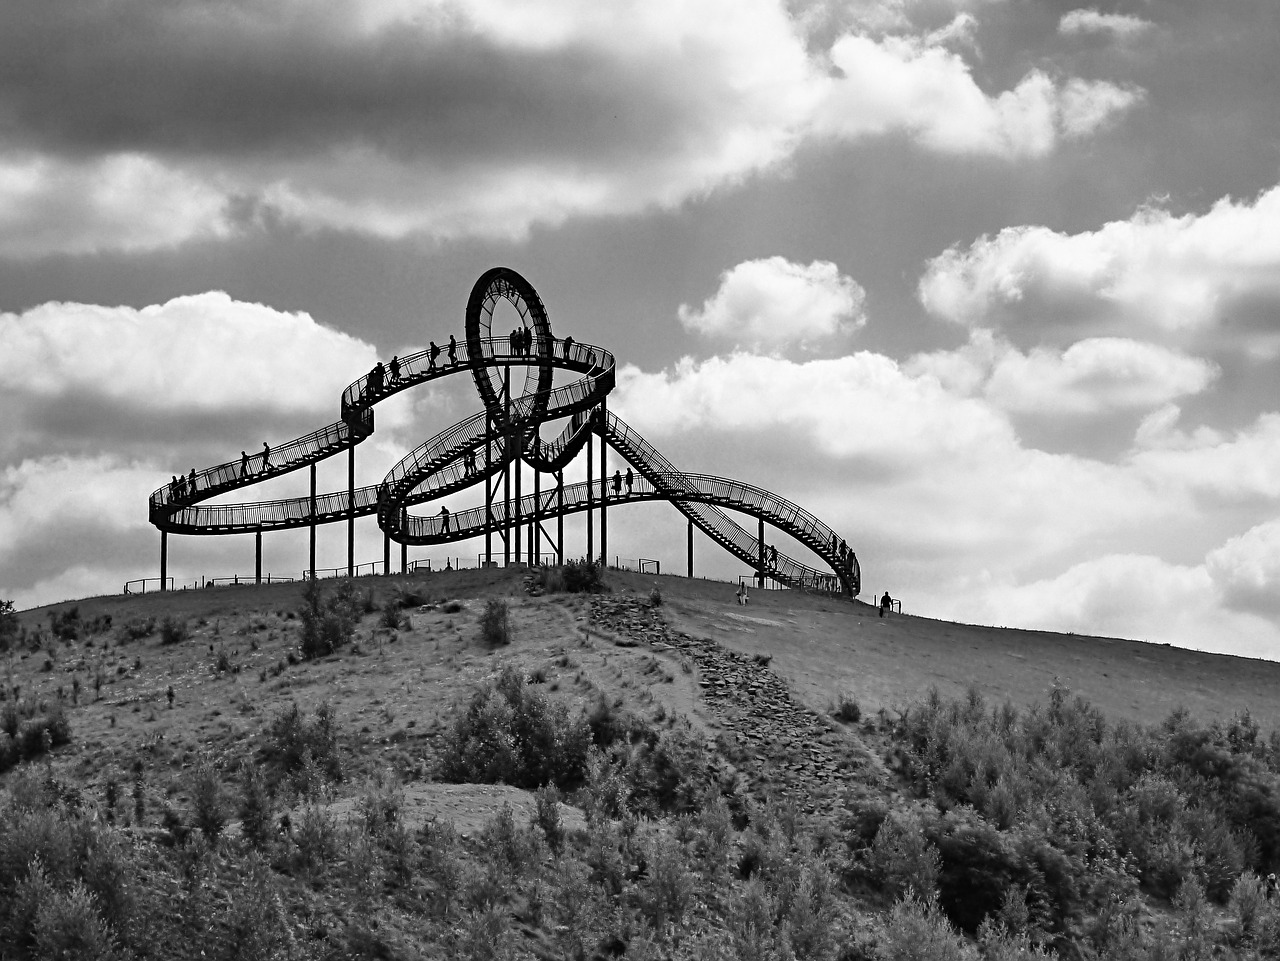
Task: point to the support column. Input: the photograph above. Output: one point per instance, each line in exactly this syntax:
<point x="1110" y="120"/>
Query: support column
<point x="488" y="495"/>
<point x="604" y="493"/>
<point x="312" y="552"/>
<point x="257" y="556"/>
<point x="535" y="535"/>
<point x="404" y="558"/>
<point x="351" y="511"/>
<point x="386" y="553"/>
<point x="591" y="509"/>
<point x="560" y="518"/>
<point x="164" y="560"/>
<point x="760" y="550"/>
<point x="690" y="548"/>
<point x="517" y="464"/>
<point x="506" y="473"/>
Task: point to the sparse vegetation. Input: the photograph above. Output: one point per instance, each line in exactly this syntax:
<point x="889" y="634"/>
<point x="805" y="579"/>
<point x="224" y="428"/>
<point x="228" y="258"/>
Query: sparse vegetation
<point x="173" y="630"/>
<point x="991" y="832"/>
<point x="495" y="623"/>
<point x="328" y="618"/>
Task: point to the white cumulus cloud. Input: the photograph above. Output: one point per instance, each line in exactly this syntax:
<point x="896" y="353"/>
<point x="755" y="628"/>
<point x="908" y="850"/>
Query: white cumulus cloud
<point x="1217" y="272"/>
<point x="900" y="84"/>
<point x="1121" y="26"/>
<point x="773" y="302"/>
<point x="1247" y="569"/>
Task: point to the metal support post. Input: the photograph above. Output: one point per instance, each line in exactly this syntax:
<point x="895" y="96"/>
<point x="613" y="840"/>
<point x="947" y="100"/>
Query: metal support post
<point x="535" y="540"/>
<point x="488" y="495"/>
<point x="312" y="552"/>
<point x="506" y="473"/>
<point x="404" y="558"/>
<point x="386" y="553"/>
<point x="517" y="464"/>
<point x="257" y="556"/>
<point x="351" y="511"/>
<point x="164" y="560"/>
<point x="604" y="493"/>
<point x="591" y="508"/>
<point x="560" y="518"/>
<point x="760" y="548"/>
<point x="690" y="546"/>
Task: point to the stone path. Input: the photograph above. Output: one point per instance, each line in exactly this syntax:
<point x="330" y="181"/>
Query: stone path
<point x="783" y="748"/>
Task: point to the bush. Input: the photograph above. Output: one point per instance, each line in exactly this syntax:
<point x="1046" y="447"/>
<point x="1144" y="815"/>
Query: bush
<point x="511" y="733"/>
<point x="29" y="729"/>
<point x="847" y="710"/>
<point x="902" y="859"/>
<point x="919" y="931"/>
<point x="547" y="816"/>
<point x="257" y="812"/>
<point x="495" y="623"/>
<point x="328" y="620"/>
<point x="209" y="812"/>
<point x="391" y="616"/>
<point x="292" y="741"/>
<point x="135" y="629"/>
<point x="173" y="630"/>
<point x="583" y="576"/>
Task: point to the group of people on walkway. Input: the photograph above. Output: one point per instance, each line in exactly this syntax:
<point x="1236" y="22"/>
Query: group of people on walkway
<point x="180" y="487"/>
<point x="185" y="487"/>
<point x="521" y="341"/>
<point x="618" y="481"/>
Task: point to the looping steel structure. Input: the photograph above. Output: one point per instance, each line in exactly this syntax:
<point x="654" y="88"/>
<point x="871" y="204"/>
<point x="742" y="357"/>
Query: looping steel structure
<point x="489" y="448"/>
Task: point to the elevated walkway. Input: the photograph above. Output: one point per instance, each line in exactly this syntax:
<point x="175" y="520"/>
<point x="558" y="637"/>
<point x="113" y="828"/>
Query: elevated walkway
<point x="488" y="448"/>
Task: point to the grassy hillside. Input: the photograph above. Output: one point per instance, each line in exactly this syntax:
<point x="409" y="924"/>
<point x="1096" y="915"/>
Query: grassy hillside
<point x="462" y="764"/>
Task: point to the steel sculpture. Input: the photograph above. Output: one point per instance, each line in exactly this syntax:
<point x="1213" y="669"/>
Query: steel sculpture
<point x="489" y="447"/>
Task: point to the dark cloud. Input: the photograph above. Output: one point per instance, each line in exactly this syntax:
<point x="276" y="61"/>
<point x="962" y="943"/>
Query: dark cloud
<point x="190" y="78"/>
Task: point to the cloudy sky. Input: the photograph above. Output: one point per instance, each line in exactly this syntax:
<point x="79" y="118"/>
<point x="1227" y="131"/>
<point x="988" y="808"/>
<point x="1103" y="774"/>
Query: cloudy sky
<point x="992" y="286"/>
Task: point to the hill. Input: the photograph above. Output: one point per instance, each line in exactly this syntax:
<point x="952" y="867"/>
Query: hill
<point x="715" y="763"/>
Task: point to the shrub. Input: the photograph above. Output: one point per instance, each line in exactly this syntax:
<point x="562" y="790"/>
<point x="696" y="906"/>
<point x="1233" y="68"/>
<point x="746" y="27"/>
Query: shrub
<point x="671" y="774"/>
<point x="29" y="729"/>
<point x="655" y="598"/>
<point x="919" y="931"/>
<point x="583" y="576"/>
<point x="291" y="741"/>
<point x="67" y="925"/>
<point x="902" y="859"/>
<point x="847" y="710"/>
<point x="135" y="629"/>
<point x="547" y="816"/>
<point x="209" y="812"/>
<point x="495" y="623"/>
<point x="257" y="812"/>
<point x="391" y="616"/>
<point x="328" y="620"/>
<point x="173" y="630"/>
<point x="512" y="733"/>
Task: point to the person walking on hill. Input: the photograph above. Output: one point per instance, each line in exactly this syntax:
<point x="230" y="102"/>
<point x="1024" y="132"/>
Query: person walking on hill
<point x="743" y="597"/>
<point x="886" y="604"/>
